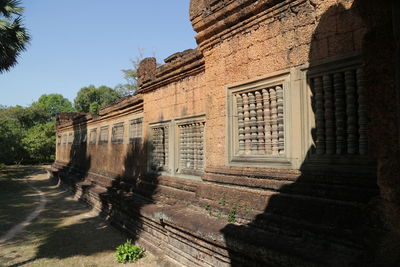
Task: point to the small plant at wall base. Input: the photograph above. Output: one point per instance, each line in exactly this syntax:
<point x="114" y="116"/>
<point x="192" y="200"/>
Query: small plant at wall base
<point x="208" y="209"/>
<point x="128" y="252"/>
<point x="232" y="214"/>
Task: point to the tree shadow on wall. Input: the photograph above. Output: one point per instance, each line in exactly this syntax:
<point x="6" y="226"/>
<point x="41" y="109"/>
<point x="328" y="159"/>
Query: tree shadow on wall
<point x="130" y="191"/>
<point x="327" y="216"/>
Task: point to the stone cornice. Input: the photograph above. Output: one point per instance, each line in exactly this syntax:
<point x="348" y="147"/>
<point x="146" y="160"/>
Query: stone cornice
<point x="177" y="67"/>
<point x="123" y="106"/>
<point x="213" y="19"/>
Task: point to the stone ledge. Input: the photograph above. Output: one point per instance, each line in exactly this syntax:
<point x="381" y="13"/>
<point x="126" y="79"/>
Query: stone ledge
<point x="177" y="66"/>
<point x="125" y="105"/>
<point x="214" y="241"/>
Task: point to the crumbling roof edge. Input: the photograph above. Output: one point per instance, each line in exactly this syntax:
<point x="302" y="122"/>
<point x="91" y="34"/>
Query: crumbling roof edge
<point x="177" y="66"/>
<point x="67" y="119"/>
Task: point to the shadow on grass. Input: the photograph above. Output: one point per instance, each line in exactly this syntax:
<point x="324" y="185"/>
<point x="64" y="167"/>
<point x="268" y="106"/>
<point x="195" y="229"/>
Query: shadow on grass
<point x="66" y="228"/>
<point x="17" y="199"/>
<point x="69" y="229"/>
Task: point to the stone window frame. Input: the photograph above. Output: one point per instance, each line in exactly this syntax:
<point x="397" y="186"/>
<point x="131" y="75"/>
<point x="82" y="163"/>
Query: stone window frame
<point x="135" y="139"/>
<point x="83" y="136"/>
<point x="310" y="158"/>
<point x="64" y="139"/>
<point x="114" y="140"/>
<point x="285" y="161"/>
<point x="71" y="137"/>
<point x="77" y="138"/>
<point x="93" y="130"/>
<point x="104" y="142"/>
<point x="150" y="147"/>
<point x="173" y="146"/>
<point x="177" y="122"/>
<point x="59" y="137"/>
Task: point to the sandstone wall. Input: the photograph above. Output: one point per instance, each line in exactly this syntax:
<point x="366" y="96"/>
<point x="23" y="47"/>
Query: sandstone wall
<point x="279" y="38"/>
<point x="245" y="209"/>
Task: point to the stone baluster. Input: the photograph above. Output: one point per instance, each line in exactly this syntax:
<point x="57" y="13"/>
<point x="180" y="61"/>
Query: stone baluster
<point x="160" y="147"/>
<point x="253" y="122"/>
<point x="340" y="113"/>
<point x="196" y="150"/>
<point x="260" y="124"/>
<point x="274" y="121"/>
<point x="351" y="110"/>
<point x="330" y="143"/>
<point x="247" y="127"/>
<point x="281" y="127"/>
<point x="201" y="147"/>
<point x="183" y="146"/>
<point x="165" y="146"/>
<point x="195" y="145"/>
<point x="319" y="115"/>
<point x="267" y="121"/>
<point x="155" y="146"/>
<point x="362" y="114"/>
<point x="190" y="146"/>
<point x="241" y="132"/>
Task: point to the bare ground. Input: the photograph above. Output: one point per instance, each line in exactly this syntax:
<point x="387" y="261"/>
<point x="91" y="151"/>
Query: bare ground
<point x="66" y="232"/>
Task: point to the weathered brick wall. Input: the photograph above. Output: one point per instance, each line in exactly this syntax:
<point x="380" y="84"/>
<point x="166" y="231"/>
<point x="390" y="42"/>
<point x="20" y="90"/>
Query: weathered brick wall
<point x="330" y="206"/>
<point x="107" y="158"/>
<point x="279" y="39"/>
<point x="178" y="99"/>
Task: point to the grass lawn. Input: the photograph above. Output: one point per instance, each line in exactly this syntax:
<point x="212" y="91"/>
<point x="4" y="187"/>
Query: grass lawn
<point x="66" y="233"/>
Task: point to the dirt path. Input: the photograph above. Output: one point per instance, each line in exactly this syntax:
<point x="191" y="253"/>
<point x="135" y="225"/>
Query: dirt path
<point x="19" y="227"/>
<point x="57" y="230"/>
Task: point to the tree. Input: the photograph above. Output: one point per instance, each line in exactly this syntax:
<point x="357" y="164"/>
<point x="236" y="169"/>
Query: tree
<point x="11" y="134"/>
<point x="27" y="134"/>
<point x="52" y="105"/>
<point x="26" y="117"/>
<point x="13" y="35"/>
<point x="130" y="75"/>
<point x="102" y="95"/>
<point x="39" y="141"/>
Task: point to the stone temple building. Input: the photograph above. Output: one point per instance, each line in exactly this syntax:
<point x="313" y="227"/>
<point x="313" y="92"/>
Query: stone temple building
<point x="274" y="143"/>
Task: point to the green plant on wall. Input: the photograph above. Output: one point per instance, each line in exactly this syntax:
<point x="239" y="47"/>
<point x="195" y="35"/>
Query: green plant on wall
<point x="232" y="214"/>
<point x="128" y="252"/>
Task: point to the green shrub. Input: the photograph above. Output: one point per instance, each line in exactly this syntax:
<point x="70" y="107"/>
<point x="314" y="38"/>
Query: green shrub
<point x="128" y="252"/>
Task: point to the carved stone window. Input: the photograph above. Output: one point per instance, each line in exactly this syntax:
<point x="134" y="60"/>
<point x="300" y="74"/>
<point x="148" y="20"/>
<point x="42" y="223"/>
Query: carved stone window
<point x="340" y="112"/>
<point x="260" y="128"/>
<point x="160" y="147"/>
<point x="83" y="138"/>
<point x="77" y="138"/>
<point x="103" y="139"/>
<point x="93" y="136"/>
<point x="191" y="146"/>
<point x="335" y="111"/>
<point x="136" y="131"/>
<point x="70" y="138"/>
<point x="64" y="138"/>
<point x="118" y="133"/>
<point x="257" y="122"/>
<point x="59" y="136"/>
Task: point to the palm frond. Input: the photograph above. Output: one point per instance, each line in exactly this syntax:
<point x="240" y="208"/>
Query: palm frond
<point x="13" y="35"/>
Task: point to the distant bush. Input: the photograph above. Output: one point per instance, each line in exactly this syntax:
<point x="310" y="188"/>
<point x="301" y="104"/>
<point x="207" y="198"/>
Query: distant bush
<point x="128" y="252"/>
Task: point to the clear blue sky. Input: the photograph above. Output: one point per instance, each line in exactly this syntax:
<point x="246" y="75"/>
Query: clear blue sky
<point x="76" y="43"/>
